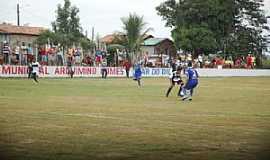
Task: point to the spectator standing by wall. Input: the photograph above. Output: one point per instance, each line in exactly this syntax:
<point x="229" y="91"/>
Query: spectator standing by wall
<point x="30" y="53"/>
<point x="77" y="56"/>
<point x="189" y="58"/>
<point x="104" y="68"/>
<point x="43" y="54"/>
<point x="1" y="58"/>
<point x="24" y="54"/>
<point x="6" y="53"/>
<point x="59" y="57"/>
<point x="249" y="61"/>
<point x="253" y="61"/>
<point x="127" y="67"/>
<point x="237" y="62"/>
<point x="70" y="62"/>
<point x="200" y="59"/>
<point x="51" y="56"/>
<point x="17" y="53"/>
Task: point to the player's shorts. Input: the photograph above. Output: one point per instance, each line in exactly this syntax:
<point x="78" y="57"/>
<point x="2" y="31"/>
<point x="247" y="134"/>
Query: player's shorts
<point x="178" y="81"/>
<point x="191" y="84"/>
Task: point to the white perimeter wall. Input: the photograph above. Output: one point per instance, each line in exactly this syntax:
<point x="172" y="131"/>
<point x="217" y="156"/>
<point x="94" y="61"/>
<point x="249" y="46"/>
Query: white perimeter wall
<point x="61" y="71"/>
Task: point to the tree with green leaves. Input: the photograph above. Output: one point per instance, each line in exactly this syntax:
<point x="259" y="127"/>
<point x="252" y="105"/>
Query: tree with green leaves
<point x="250" y="23"/>
<point x="67" y="30"/>
<point x="134" y="31"/>
<point x="215" y="25"/>
<point x="197" y="25"/>
<point x="67" y="24"/>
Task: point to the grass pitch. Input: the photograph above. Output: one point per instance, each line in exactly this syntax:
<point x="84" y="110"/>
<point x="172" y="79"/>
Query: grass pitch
<point x="68" y="119"/>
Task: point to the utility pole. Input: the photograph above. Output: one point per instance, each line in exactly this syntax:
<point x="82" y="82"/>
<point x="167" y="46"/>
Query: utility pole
<point x="18" y="14"/>
<point x="93" y="34"/>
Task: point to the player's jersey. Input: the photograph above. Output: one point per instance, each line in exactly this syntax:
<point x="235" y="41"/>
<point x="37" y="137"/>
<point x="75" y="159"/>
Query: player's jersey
<point x="176" y="76"/>
<point x="173" y="70"/>
<point x="174" y="67"/>
<point x="137" y="72"/>
<point x="35" y="67"/>
<point x="192" y="74"/>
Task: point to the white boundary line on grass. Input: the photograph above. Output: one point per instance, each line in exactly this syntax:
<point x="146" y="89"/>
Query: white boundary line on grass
<point x="102" y="116"/>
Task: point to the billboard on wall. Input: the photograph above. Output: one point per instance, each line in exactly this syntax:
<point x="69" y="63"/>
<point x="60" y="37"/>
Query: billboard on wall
<point x="80" y="71"/>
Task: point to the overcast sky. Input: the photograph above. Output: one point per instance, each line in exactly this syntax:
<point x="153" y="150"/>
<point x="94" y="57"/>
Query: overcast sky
<point x="103" y="15"/>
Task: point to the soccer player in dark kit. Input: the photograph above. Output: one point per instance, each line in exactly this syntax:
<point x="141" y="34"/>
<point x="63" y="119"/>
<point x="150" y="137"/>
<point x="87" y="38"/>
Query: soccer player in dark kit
<point x="175" y="78"/>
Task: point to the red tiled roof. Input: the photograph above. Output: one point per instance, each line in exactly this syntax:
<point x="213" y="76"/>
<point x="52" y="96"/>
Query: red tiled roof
<point x="25" y="30"/>
<point x="108" y="39"/>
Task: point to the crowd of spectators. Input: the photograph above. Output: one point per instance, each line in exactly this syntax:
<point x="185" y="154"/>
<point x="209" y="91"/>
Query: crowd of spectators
<point x="47" y="55"/>
<point x="217" y="61"/>
<point x="55" y="56"/>
<point x="17" y="55"/>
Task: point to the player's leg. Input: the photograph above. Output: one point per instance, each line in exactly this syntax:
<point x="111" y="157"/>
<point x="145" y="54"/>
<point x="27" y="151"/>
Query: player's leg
<point x="180" y="91"/>
<point x="186" y="94"/>
<point x="139" y="81"/>
<point x="127" y="73"/>
<point x="35" y="77"/>
<point x="71" y="72"/>
<point x="189" y="88"/>
<point x="29" y="73"/>
<point x="170" y="88"/>
<point x="106" y="73"/>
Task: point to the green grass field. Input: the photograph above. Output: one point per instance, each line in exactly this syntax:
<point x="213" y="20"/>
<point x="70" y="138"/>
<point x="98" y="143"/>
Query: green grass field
<point x="77" y="119"/>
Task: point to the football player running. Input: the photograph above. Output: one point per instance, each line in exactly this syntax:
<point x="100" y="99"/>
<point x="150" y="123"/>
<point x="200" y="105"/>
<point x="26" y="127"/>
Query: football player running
<point x="191" y="83"/>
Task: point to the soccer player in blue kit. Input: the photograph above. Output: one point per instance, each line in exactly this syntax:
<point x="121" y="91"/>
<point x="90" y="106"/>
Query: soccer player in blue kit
<point x="192" y="82"/>
<point x="137" y="73"/>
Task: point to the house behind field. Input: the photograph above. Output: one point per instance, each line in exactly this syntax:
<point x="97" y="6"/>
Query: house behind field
<point x="18" y="35"/>
<point x="158" y="51"/>
<point x="155" y="50"/>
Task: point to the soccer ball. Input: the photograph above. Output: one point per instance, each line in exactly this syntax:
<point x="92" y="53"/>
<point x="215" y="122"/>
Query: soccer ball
<point x="182" y="93"/>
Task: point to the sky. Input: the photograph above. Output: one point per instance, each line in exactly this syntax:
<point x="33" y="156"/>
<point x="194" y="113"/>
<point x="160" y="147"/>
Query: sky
<point x="104" y="15"/>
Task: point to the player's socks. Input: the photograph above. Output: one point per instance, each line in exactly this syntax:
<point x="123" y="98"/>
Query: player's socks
<point x="187" y="95"/>
<point x="139" y="83"/>
<point x="183" y="99"/>
<point x="168" y="92"/>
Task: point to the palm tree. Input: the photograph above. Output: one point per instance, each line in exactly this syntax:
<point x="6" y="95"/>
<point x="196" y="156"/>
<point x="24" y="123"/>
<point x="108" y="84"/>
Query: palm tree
<point x="134" y="31"/>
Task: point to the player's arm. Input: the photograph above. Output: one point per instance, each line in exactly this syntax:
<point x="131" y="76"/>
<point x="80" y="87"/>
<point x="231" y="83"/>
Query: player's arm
<point x="196" y="72"/>
<point x="187" y="76"/>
